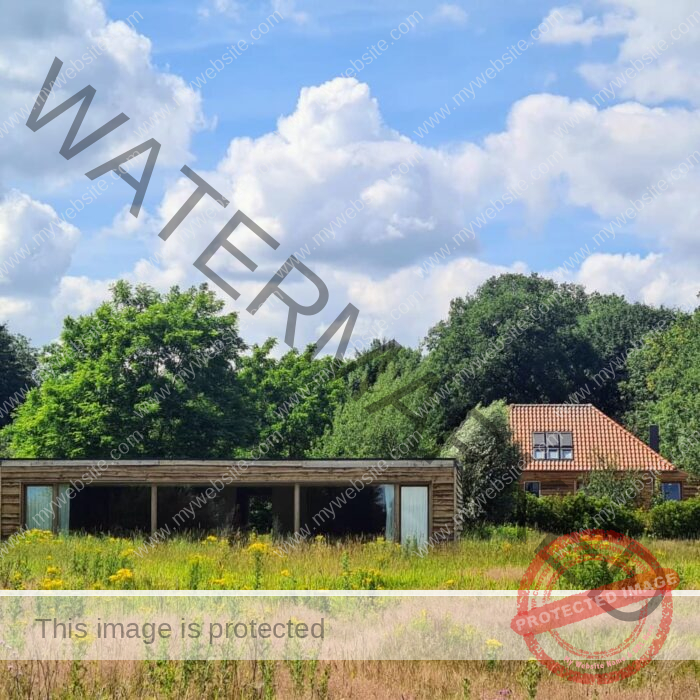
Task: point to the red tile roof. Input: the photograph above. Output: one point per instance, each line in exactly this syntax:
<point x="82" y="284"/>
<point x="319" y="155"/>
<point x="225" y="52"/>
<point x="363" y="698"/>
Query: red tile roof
<point x="595" y="436"/>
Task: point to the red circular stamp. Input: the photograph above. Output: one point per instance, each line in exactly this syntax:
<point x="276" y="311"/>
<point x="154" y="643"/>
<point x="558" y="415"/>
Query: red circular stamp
<point x="611" y="630"/>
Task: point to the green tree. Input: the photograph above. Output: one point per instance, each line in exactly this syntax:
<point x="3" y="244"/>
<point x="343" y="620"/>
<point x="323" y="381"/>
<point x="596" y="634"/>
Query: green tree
<point x="370" y="425"/>
<point x="162" y="368"/>
<point x="294" y="397"/>
<point x="490" y="463"/>
<point x="615" y="328"/>
<point x="517" y="339"/>
<point x="663" y="388"/>
<point x="17" y="363"/>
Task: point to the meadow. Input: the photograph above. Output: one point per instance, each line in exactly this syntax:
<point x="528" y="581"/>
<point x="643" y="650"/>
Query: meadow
<point x="44" y="561"/>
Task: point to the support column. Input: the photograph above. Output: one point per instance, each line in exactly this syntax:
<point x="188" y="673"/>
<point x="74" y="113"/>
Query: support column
<point x="297" y="507"/>
<point x="154" y="509"/>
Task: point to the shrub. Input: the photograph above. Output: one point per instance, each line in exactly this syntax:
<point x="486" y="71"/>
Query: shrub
<point x="561" y="515"/>
<point x="676" y="519"/>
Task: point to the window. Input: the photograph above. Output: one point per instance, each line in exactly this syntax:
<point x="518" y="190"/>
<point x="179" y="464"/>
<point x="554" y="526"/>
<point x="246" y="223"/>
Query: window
<point x="532" y="487"/>
<point x="414" y="514"/>
<point x="671" y="491"/>
<point x="46" y="509"/>
<point x="552" y="446"/>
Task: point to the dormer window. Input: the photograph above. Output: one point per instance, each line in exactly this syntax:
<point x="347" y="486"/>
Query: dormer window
<point x="552" y="446"/>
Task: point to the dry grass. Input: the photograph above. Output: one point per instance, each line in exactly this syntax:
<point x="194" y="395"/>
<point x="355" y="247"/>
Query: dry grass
<point x="396" y="680"/>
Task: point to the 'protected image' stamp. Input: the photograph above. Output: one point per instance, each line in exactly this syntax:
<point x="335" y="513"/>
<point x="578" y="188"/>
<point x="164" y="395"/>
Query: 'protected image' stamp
<point x="607" y="632"/>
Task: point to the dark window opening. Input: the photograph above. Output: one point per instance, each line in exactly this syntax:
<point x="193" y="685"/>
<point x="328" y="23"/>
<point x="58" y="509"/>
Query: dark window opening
<point x="328" y="510"/>
<point x="183" y="508"/>
<point x="120" y="510"/>
<point x="533" y="487"/>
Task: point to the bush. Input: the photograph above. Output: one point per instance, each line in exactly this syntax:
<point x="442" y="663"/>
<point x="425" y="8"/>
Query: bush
<point x="676" y="520"/>
<point x="562" y="515"/>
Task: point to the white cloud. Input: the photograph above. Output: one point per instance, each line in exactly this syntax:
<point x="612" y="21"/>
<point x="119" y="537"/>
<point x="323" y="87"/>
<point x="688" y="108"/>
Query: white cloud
<point x="568" y="26"/>
<point x="652" y="279"/>
<point x="672" y="74"/>
<point x="35" y="246"/>
<point x="288" y="10"/>
<point x="450" y="14"/>
<point x="334" y="156"/>
<point x="110" y="55"/>
<point x="335" y="148"/>
<point x="214" y="8"/>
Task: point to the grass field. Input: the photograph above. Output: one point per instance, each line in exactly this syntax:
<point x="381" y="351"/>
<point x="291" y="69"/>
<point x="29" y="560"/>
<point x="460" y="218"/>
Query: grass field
<point x="49" y="562"/>
<point x="45" y="561"/>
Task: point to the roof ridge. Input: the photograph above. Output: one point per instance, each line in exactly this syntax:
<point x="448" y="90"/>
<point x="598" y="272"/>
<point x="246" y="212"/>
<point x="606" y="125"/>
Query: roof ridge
<point x="538" y="405"/>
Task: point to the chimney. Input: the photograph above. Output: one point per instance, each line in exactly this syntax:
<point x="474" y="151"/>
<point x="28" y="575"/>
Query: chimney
<point x="654" y="437"/>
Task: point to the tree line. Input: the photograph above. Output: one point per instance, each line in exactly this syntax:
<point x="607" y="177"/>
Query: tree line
<point x="174" y="367"/>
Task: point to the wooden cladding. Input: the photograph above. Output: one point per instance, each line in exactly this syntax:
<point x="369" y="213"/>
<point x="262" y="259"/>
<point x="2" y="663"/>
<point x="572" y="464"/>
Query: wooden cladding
<point x="439" y="475"/>
<point x="561" y="483"/>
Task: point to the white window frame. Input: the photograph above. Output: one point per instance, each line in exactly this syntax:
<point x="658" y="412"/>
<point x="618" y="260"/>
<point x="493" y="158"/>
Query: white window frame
<point x="549" y="446"/>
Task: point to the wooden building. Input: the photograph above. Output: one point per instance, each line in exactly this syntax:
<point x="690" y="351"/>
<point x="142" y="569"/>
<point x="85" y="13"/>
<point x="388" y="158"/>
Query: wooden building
<point x="397" y="499"/>
<point x="562" y="443"/>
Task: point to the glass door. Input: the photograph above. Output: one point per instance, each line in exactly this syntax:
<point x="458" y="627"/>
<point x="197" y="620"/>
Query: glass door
<point x="38" y="513"/>
<point x="414" y="514"/>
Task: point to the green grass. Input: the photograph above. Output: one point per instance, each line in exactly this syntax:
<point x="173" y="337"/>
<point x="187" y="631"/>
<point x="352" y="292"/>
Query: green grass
<point x="45" y="561"/>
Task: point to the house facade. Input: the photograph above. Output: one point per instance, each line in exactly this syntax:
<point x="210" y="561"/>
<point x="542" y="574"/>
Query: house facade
<point x="562" y="443"/>
<point x="400" y="500"/>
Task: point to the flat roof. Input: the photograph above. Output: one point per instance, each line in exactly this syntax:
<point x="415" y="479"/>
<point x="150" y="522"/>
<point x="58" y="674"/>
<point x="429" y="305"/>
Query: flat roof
<point x="190" y="463"/>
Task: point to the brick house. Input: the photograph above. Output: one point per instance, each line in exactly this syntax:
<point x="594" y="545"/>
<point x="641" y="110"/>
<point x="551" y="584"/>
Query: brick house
<point x="560" y="443"/>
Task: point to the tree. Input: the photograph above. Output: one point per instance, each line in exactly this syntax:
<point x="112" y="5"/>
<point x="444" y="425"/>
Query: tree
<point x="294" y="397"/>
<point x="663" y="388"/>
<point x="490" y="464"/>
<point x="615" y="328"/>
<point x="370" y="425"/>
<point x="161" y="369"/>
<point x="17" y="363"/>
<point x="516" y="339"/>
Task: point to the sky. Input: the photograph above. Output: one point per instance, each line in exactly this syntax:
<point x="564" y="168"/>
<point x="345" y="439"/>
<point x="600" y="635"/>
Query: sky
<point x="405" y="152"/>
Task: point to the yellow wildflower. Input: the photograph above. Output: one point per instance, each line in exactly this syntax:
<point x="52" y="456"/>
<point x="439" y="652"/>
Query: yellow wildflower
<point x="122" y="575"/>
<point x="261" y="547"/>
<point x="285" y="572"/>
<point x="493" y="644"/>
<point x="212" y="538"/>
<point x="51" y="584"/>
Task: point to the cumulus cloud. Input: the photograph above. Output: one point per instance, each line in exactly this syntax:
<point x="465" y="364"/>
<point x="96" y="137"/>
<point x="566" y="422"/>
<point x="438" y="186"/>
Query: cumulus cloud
<point x="364" y="206"/>
<point x="113" y="57"/>
<point x="335" y="149"/>
<point x="653" y="279"/>
<point x="668" y="33"/>
<point x="36" y="246"/>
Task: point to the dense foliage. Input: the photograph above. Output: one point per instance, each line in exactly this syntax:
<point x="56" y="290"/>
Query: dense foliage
<point x="174" y="368"/>
<point x="561" y="515"/>
<point x="17" y="363"/>
<point x="160" y="369"/>
<point x="663" y="388"/>
<point x="293" y="397"/>
<point x="490" y="464"/>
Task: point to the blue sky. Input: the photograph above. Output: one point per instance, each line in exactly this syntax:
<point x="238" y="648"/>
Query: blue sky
<point x="339" y="140"/>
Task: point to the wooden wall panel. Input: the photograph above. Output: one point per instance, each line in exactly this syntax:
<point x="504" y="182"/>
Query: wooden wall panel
<point x="560" y="483"/>
<point x="438" y="474"/>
